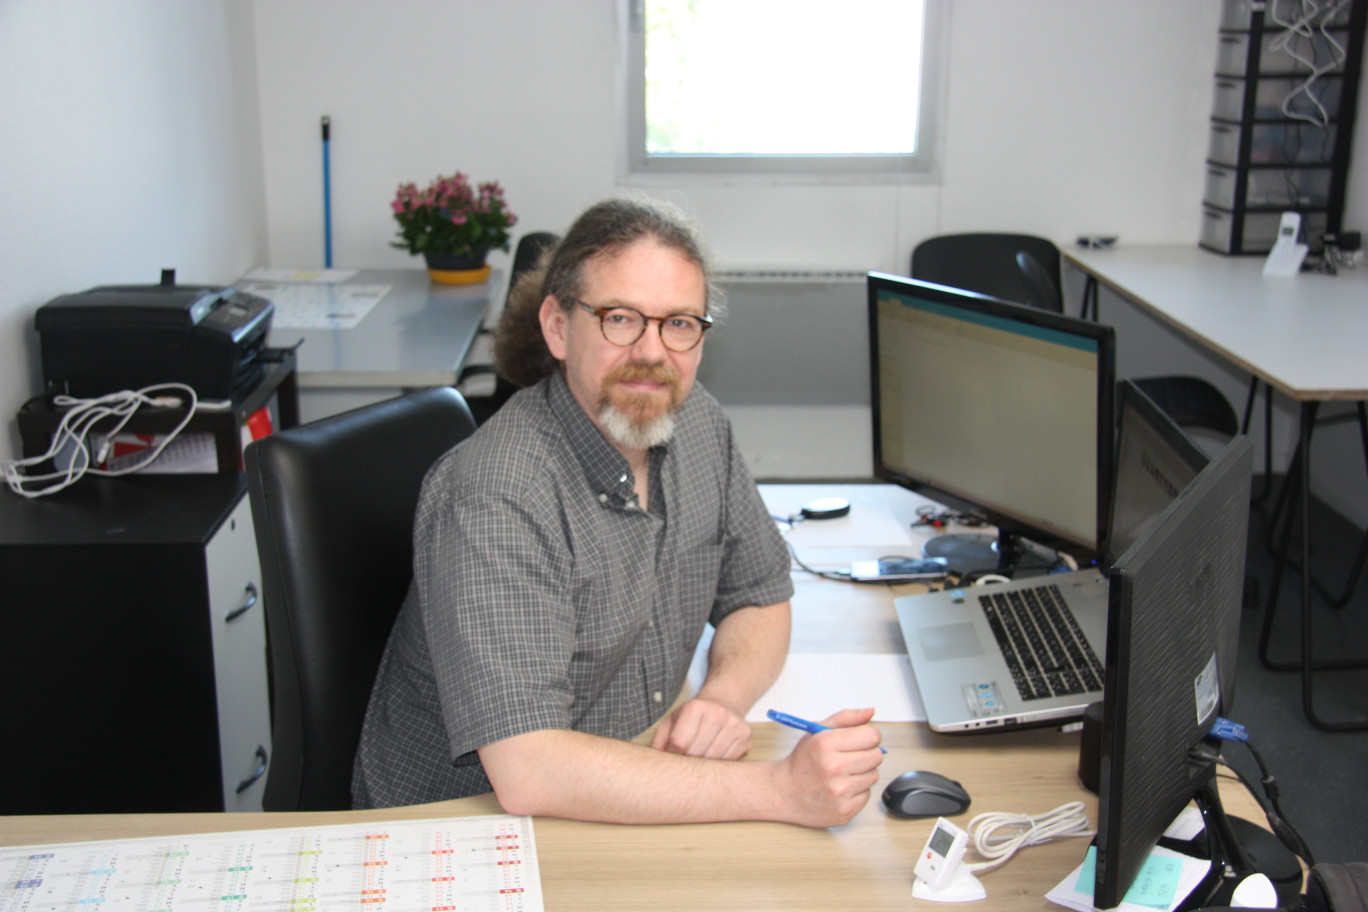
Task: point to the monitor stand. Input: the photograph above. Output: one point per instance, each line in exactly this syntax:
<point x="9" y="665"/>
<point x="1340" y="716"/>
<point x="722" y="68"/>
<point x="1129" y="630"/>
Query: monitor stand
<point x="983" y="552"/>
<point x="1237" y="848"/>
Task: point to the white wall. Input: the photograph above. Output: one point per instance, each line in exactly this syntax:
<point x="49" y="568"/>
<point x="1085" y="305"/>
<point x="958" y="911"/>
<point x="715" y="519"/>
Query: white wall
<point x="139" y="134"/>
<point x="129" y="142"/>
<point x="1054" y="125"/>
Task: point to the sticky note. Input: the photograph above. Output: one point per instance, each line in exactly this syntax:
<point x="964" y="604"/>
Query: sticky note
<point x="1155" y="885"/>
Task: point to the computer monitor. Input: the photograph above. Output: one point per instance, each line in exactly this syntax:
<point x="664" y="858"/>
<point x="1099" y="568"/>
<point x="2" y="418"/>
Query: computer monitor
<point x="1173" y="628"/>
<point x="1155" y="461"/>
<point x="998" y="409"/>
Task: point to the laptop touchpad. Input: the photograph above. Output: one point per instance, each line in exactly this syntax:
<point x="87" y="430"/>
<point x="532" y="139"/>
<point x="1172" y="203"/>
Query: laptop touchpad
<point x="949" y="641"/>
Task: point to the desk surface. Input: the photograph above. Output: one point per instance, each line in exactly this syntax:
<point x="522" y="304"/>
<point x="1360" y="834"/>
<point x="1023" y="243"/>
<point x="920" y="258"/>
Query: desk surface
<point x="1303" y="334"/>
<point x="417" y="336"/>
<point x="865" y="864"/>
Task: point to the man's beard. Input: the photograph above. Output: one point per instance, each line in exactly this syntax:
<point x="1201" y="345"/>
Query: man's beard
<point x="639" y="420"/>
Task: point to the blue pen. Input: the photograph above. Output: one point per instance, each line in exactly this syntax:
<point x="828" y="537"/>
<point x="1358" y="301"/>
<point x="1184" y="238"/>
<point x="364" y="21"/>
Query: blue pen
<point x="811" y="728"/>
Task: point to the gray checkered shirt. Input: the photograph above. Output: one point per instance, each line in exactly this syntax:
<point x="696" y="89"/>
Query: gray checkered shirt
<point x="544" y="597"/>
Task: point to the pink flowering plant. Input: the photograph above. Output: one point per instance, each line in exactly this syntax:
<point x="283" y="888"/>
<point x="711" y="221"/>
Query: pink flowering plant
<point x="449" y="217"/>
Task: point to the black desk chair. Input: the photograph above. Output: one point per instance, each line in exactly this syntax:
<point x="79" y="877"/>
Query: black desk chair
<point x="1025" y="269"/>
<point x="986" y="263"/>
<point x="484" y="404"/>
<point x="333" y="504"/>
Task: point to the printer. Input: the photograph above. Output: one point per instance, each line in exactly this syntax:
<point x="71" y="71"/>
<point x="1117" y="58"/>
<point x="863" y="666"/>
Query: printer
<point x="117" y="337"/>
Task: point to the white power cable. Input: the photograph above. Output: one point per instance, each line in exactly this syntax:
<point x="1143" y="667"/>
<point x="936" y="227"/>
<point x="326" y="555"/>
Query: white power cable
<point x="1304" y="26"/>
<point x="75" y="428"/>
<point x="1065" y="821"/>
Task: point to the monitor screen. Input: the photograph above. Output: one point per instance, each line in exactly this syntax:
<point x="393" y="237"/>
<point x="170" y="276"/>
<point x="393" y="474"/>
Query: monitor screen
<point x="999" y="409"/>
<point x="1173" y="628"/>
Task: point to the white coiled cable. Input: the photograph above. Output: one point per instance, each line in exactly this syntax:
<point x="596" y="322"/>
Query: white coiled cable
<point x="76" y="426"/>
<point x="1065" y="821"/>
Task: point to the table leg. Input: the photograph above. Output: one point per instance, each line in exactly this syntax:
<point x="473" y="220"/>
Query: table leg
<point x="1301" y="477"/>
<point x="1268" y="432"/>
<point x="1284" y="496"/>
<point x="1089" y="299"/>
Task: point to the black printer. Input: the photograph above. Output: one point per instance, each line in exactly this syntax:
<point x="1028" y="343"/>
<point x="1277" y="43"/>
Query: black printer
<point x="117" y="337"/>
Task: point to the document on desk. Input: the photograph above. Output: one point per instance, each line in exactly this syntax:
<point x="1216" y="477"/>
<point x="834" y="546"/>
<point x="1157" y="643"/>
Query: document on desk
<point x="815" y="686"/>
<point x="486" y="863"/>
<point x="1164" y="881"/>
<point x="1162" y="884"/>
<point x="305" y="305"/>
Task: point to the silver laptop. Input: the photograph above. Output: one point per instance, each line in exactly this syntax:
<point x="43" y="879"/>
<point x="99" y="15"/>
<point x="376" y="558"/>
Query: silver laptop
<point x="1029" y="652"/>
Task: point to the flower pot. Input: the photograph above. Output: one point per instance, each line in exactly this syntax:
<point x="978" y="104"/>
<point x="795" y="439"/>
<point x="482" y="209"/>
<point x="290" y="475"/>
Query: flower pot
<point x="457" y="268"/>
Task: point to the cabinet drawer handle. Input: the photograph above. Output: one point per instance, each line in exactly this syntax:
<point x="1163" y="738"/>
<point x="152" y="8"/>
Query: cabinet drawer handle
<point x="257" y="773"/>
<point x="249" y="598"/>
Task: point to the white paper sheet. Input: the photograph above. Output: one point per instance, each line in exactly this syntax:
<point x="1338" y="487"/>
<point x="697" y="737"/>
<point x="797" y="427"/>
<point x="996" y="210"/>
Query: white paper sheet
<point x="291" y="274"/>
<point x="304" y="305"/>
<point x="1192" y="870"/>
<point x="815" y="686"/>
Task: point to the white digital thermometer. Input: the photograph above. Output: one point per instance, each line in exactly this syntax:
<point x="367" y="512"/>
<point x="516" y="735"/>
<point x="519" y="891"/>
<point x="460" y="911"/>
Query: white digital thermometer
<point x="937" y="863"/>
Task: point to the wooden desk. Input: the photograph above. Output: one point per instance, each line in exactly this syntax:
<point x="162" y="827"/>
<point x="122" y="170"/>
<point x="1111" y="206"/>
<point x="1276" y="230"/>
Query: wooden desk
<point x="1301" y="335"/>
<point x="866" y="864"/>
<point x="417" y="336"/>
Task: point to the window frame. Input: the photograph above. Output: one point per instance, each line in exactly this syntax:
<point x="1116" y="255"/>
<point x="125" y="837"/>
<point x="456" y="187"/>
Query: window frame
<point x="919" y="167"/>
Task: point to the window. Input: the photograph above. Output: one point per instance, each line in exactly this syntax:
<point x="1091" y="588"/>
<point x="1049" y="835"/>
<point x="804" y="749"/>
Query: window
<point x="782" y="86"/>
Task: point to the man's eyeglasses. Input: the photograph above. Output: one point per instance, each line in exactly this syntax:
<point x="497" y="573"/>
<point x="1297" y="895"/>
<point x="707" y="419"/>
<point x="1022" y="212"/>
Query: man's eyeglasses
<point x="625" y="325"/>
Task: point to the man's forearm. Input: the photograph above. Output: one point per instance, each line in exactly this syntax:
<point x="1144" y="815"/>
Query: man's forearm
<point x="560" y="773"/>
<point x="746" y="655"/>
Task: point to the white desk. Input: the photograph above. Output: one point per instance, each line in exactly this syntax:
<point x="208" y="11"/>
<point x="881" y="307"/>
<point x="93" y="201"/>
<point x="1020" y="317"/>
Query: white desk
<point x="1302" y="335"/>
<point x="417" y="336"/>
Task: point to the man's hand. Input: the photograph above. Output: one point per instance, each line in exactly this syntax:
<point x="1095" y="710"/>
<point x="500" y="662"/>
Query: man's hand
<point x="827" y="778"/>
<point x="703" y="728"/>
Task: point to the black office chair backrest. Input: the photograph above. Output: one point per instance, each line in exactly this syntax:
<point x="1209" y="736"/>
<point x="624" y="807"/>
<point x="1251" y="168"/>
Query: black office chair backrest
<point x="1042" y="289"/>
<point x="529" y="249"/>
<point x="525" y="257"/>
<point x="333" y="504"/>
<point x="985" y="262"/>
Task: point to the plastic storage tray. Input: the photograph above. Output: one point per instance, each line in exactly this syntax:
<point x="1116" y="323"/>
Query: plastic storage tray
<point x="1291" y="143"/>
<point x="1278" y="54"/>
<point x="1258" y="233"/>
<point x="1285" y="188"/>
<point x="1319" y="100"/>
<point x="1235" y="14"/>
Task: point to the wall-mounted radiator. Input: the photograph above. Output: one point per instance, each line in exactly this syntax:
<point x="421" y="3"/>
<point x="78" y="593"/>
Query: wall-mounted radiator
<point x="790" y="337"/>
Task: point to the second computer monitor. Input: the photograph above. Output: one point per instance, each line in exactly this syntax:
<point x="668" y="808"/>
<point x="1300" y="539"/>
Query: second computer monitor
<point x="1173" y="631"/>
<point x="996" y="408"/>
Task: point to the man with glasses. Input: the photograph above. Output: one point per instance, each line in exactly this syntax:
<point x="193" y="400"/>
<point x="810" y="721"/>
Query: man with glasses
<point x="568" y="557"/>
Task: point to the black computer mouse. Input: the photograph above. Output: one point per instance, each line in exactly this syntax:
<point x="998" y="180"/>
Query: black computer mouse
<point x="924" y="794"/>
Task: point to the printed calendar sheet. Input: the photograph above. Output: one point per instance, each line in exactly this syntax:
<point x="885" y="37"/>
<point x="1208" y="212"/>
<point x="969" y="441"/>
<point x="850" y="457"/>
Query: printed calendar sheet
<point x="472" y="864"/>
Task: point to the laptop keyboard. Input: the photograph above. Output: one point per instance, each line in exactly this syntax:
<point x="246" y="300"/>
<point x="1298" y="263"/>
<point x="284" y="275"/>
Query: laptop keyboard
<point x="1045" y="649"/>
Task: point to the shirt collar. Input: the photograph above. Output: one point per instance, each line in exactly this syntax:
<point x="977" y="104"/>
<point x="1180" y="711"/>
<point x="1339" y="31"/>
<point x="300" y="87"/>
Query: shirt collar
<point x="604" y="467"/>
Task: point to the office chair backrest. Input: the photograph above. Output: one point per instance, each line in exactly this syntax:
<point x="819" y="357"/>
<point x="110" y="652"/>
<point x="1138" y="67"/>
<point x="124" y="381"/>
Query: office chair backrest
<point x="333" y="504"/>
<point x="525" y="256"/>
<point x="985" y="263"/>
<point x="1041" y="289"/>
<point x="530" y="247"/>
